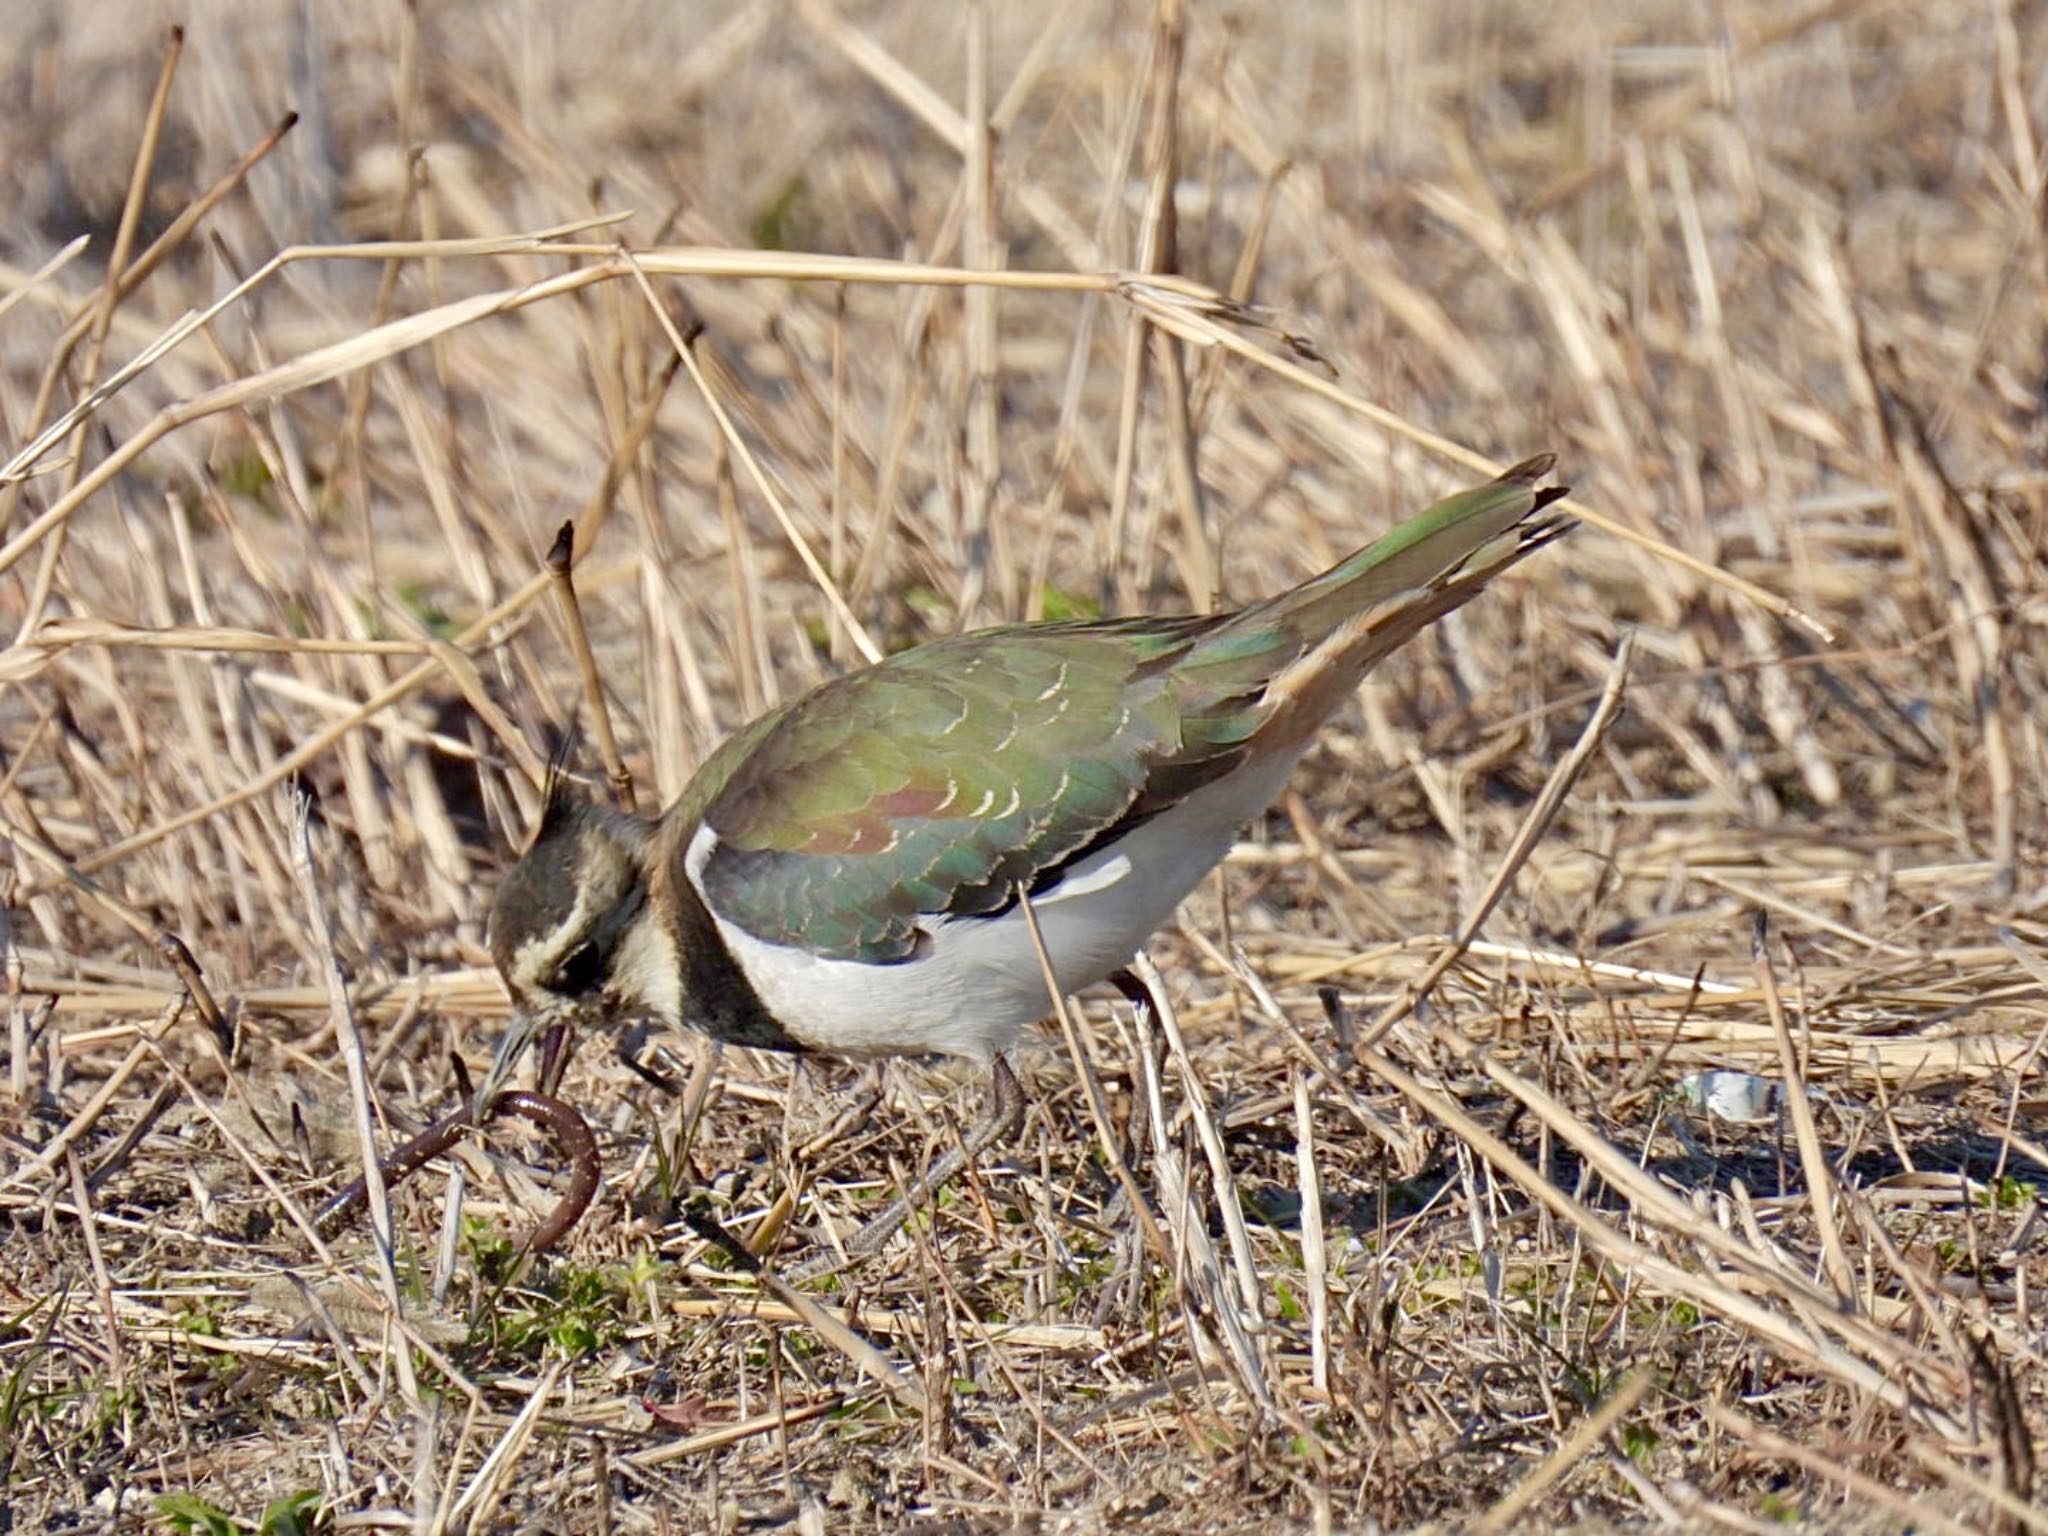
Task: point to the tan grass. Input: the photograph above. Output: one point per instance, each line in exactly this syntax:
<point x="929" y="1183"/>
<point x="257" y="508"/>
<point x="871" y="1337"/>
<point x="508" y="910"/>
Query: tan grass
<point x="1382" y="1212"/>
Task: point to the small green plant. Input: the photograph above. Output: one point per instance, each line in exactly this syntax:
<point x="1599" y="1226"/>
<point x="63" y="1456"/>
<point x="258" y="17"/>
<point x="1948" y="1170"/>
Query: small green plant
<point x="2006" y="1193"/>
<point x="772" y="228"/>
<point x="190" y="1515"/>
<point x="247" y="475"/>
<point x="490" y="1250"/>
<point x="200" y="1321"/>
<point x="1781" y="1509"/>
<point x="1677" y="1316"/>
<point x="1080" y="1282"/>
<point x="643" y="1269"/>
<point x="16" y="1387"/>
<point x="1290" y="1308"/>
<point x="1638" y="1441"/>
<point x="583" y="1310"/>
<point x="296" y="1514"/>
<point x="585" y="1314"/>
<point x="419" y="601"/>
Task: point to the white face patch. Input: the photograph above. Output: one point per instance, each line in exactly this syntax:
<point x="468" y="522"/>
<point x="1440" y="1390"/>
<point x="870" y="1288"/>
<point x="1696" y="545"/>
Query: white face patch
<point x="536" y="962"/>
<point x="566" y="962"/>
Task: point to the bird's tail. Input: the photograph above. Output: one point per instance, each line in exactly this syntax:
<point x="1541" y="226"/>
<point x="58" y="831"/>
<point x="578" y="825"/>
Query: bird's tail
<point x="1334" y="627"/>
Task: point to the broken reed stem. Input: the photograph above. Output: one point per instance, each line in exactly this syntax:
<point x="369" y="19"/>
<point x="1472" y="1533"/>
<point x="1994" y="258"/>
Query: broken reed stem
<point x="1197" y="1271"/>
<point x="102" y="1283"/>
<point x="103" y="311"/>
<point x="11" y="971"/>
<point x="350" y="1042"/>
<point x="902" y="1385"/>
<point x="1091" y="1089"/>
<point x="561" y="559"/>
<point x="1314" y="1251"/>
<point x="1820" y="1189"/>
<point x="1533" y="826"/>
<point x="1196" y="1281"/>
<point x="1229" y="1212"/>
<point x="980" y="248"/>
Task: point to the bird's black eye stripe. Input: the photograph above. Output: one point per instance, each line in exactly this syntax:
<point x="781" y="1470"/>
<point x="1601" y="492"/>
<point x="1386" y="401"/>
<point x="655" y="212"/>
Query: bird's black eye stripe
<point x="581" y="971"/>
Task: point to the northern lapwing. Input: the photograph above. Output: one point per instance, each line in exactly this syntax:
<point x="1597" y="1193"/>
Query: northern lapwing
<point x="849" y="873"/>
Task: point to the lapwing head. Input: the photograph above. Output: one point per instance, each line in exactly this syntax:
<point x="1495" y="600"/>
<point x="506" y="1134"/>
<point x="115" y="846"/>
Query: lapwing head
<point x="562" y="913"/>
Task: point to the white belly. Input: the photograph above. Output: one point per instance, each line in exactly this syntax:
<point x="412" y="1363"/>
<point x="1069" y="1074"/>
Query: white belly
<point x="980" y="981"/>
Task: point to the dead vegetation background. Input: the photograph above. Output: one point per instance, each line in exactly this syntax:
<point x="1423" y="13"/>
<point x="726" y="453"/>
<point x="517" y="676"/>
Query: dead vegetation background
<point x="1770" y="281"/>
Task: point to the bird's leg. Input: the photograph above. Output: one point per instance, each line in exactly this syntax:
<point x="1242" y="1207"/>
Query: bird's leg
<point x="1002" y="1112"/>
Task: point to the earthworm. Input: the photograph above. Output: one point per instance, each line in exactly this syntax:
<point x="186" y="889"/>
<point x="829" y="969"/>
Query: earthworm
<point x="571" y="1133"/>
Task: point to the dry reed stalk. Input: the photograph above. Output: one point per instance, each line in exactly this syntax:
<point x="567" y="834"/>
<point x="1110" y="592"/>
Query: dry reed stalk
<point x="102" y="314"/>
<point x="1820" y="1187"/>
<point x="1315" y="1258"/>
<point x="350" y="1040"/>
<point x="561" y="556"/>
<point x="307" y="500"/>
<point x="1541" y="814"/>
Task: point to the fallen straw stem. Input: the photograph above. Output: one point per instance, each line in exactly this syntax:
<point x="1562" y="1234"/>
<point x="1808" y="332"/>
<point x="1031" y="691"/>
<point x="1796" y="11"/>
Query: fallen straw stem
<point x="1548" y="804"/>
<point x="1820" y="1189"/>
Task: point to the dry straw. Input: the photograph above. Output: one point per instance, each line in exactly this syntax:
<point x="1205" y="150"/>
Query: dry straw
<point x="1389" y="1201"/>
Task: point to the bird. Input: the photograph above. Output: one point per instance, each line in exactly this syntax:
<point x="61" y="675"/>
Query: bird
<point x="872" y="868"/>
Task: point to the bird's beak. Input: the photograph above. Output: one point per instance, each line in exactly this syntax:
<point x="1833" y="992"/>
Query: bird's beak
<point x="519" y="1034"/>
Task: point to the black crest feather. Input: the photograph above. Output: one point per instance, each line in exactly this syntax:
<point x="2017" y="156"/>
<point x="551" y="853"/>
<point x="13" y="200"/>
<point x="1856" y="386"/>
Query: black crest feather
<point x="560" y="794"/>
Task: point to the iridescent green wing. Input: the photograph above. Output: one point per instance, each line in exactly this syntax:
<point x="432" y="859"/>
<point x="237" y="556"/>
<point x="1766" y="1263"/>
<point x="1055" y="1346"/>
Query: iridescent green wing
<point x="940" y="780"/>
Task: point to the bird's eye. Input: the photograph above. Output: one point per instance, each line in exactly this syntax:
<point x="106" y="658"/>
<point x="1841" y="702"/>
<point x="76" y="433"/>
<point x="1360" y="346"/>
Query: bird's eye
<point x="581" y="971"/>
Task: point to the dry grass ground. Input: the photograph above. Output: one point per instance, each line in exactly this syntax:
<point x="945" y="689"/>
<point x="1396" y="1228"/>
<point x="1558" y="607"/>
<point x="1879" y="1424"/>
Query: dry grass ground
<point x="1770" y="279"/>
